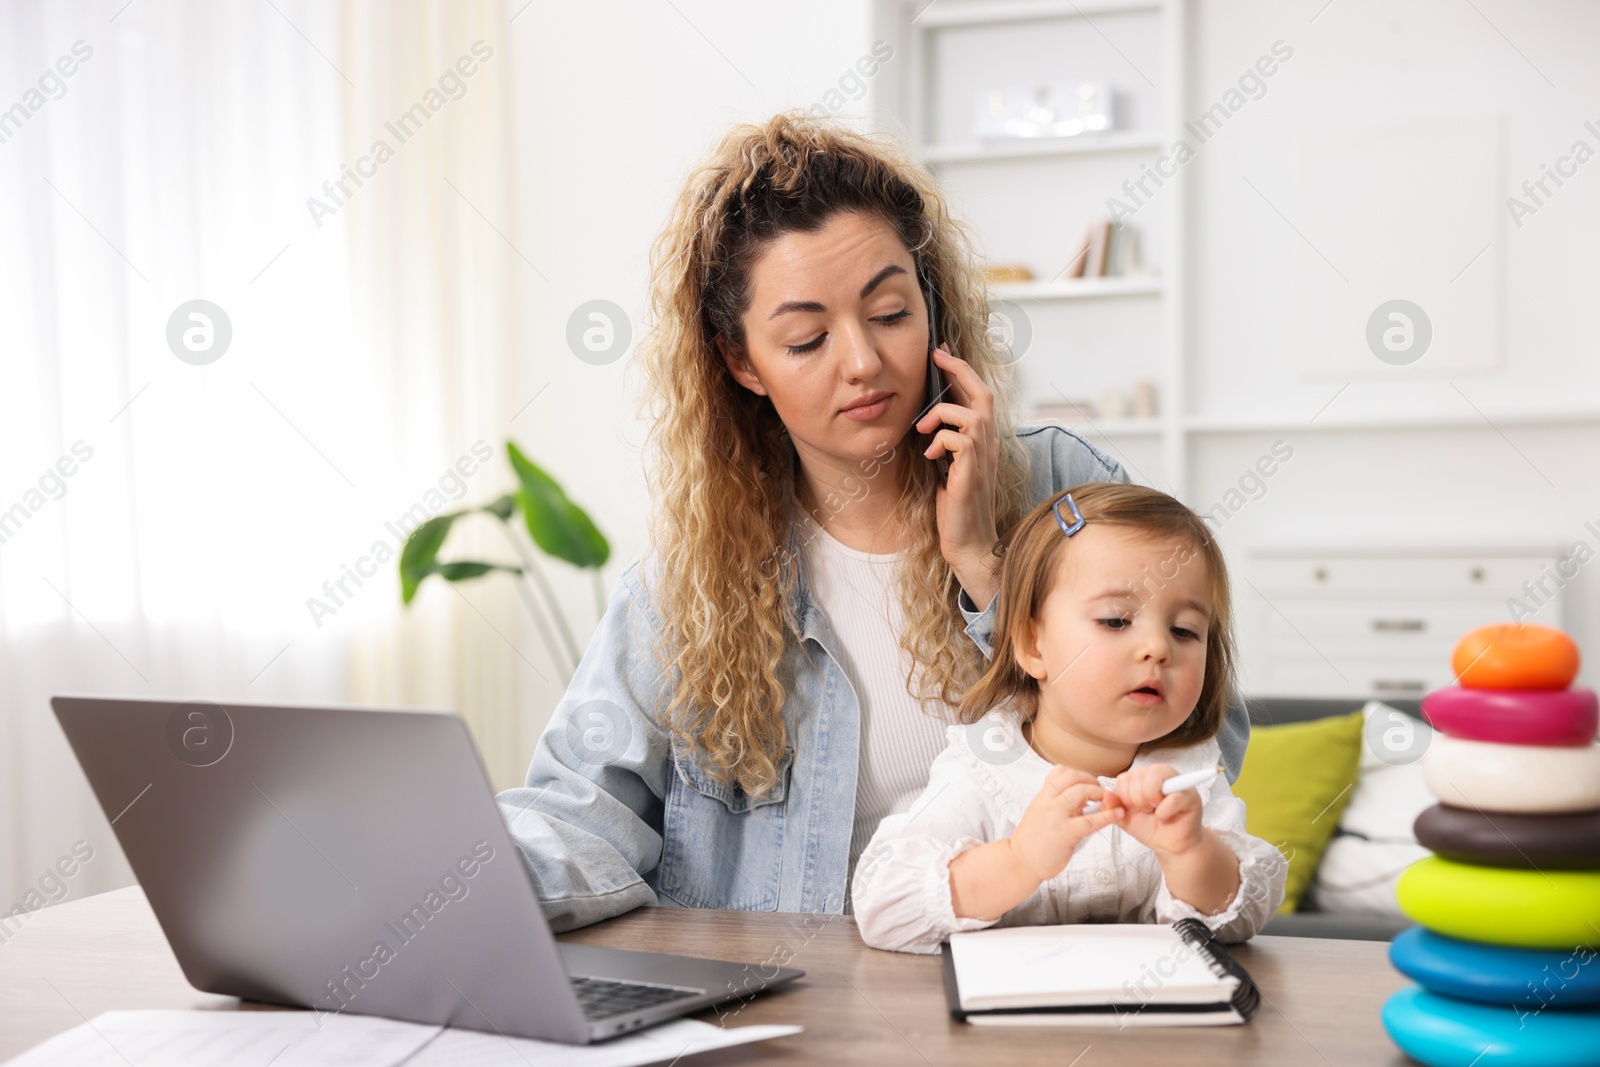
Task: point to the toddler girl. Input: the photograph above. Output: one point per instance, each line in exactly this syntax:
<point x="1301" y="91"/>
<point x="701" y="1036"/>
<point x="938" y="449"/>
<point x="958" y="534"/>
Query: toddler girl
<point x="1113" y="657"/>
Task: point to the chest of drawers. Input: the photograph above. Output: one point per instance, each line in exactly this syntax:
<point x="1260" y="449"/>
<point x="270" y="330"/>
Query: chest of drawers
<point x="1382" y="621"/>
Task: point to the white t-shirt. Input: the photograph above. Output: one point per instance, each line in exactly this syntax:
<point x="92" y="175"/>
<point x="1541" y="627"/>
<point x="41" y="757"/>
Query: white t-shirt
<point x="859" y="594"/>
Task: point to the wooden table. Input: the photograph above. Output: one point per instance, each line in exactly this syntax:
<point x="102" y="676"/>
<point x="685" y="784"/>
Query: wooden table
<point x="1321" y="998"/>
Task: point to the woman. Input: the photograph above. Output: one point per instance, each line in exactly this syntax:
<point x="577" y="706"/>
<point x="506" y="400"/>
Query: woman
<point x="776" y="674"/>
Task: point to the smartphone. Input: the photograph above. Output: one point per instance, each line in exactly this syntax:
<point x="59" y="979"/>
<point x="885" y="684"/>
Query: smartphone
<point x="937" y="387"/>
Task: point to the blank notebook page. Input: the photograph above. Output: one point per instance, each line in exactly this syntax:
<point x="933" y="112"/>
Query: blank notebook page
<point x="1097" y="963"/>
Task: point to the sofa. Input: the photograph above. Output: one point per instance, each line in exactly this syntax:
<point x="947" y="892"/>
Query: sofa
<point x="1309" y="921"/>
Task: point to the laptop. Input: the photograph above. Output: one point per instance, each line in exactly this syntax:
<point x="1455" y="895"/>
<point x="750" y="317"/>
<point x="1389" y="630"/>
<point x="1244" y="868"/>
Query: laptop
<point x="354" y="859"/>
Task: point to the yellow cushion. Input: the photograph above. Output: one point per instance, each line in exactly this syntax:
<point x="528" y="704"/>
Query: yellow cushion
<point x="1295" y="783"/>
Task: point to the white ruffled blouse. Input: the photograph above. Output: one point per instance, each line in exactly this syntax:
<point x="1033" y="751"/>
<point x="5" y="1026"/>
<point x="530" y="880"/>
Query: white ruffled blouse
<point x="978" y="789"/>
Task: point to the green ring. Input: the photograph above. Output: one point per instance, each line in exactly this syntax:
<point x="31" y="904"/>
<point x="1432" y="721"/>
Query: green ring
<point x="1501" y="906"/>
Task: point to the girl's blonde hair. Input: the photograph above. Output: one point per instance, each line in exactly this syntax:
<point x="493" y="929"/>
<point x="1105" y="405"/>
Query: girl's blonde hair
<point x="724" y="469"/>
<point x="1031" y="553"/>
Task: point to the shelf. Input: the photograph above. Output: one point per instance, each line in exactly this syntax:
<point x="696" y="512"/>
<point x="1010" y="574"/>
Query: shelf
<point x="1025" y="148"/>
<point x="1196" y="425"/>
<point x="1467" y="420"/>
<point x="1104" y="427"/>
<point x="1080" y="288"/>
<point x="987" y="14"/>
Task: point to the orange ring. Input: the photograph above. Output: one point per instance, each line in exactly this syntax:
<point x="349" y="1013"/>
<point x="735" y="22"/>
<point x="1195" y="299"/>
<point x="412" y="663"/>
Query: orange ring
<point x="1510" y="655"/>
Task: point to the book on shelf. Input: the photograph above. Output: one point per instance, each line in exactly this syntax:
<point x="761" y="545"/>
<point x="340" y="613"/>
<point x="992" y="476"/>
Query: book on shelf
<point x="1096" y="974"/>
<point x="1122" y="258"/>
<point x="1106" y="251"/>
<point x="1099" y="244"/>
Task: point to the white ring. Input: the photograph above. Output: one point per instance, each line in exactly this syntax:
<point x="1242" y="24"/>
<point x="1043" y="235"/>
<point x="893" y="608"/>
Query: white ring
<point x="1533" y="779"/>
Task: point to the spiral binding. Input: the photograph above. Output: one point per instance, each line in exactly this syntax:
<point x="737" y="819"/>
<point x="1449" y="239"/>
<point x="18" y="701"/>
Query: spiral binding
<point x="1246" y="998"/>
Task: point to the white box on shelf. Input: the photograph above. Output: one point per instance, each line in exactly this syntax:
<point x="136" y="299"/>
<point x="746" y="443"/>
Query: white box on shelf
<point x="1054" y="109"/>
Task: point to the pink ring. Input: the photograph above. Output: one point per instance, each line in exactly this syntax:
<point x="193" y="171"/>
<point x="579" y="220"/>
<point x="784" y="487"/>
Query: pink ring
<point x="1557" y="717"/>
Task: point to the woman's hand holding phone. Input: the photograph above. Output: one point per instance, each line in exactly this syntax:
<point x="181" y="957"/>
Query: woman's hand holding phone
<point x="965" y="502"/>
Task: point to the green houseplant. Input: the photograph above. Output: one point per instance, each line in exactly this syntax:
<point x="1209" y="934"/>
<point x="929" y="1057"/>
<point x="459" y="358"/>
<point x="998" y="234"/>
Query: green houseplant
<point x="556" y="525"/>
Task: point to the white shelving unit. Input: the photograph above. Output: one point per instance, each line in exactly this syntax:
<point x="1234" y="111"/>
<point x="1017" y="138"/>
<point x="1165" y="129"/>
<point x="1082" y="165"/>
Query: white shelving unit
<point x="926" y="94"/>
<point x="915" y="27"/>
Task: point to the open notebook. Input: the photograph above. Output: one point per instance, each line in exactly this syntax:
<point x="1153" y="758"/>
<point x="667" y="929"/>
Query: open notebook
<point x="1105" y="974"/>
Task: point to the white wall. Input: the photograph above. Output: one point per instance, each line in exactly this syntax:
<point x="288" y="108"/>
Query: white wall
<point x="1495" y="478"/>
<point x="1378" y="63"/>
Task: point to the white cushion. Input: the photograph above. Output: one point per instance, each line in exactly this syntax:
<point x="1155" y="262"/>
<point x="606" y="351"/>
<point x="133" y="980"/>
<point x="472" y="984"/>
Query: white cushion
<point x="1357" y="875"/>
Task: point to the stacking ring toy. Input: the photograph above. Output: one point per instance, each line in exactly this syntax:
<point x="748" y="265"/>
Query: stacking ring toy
<point x="1566" y="717"/>
<point x="1444" y="1032"/>
<point x="1494" y="974"/>
<point x="1515" y="656"/>
<point x="1568" y="842"/>
<point x="1516" y="778"/>
<point x="1523" y="909"/>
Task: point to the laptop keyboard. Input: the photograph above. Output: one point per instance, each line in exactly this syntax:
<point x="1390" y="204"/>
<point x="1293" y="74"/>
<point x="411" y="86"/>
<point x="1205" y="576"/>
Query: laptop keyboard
<point x="601" y="997"/>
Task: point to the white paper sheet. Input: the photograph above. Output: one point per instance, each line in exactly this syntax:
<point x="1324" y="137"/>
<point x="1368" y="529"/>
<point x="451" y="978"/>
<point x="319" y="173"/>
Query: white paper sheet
<point x="242" y="1038"/>
<point x="656" y="1044"/>
<point x="294" y="1039"/>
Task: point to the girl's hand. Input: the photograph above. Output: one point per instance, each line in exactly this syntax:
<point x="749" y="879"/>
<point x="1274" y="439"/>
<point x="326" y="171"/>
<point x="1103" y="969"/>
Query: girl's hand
<point x="1052" y="826"/>
<point x="964" y="504"/>
<point x="1167" y="825"/>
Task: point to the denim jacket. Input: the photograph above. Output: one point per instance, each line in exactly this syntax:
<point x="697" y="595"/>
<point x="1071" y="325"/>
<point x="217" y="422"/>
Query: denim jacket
<point x="616" y="814"/>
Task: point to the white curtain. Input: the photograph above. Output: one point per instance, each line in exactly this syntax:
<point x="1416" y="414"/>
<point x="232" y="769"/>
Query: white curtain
<point x="169" y="527"/>
<point x="431" y="238"/>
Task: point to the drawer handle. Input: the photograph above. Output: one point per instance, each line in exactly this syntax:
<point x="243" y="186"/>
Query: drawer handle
<point x="1399" y="625"/>
<point x="1392" y="685"/>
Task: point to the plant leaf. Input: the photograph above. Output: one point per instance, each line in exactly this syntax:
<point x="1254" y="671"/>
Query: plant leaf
<point x="419" y="557"/>
<point x="557" y="525"/>
<point x="502" y="508"/>
<point x="463" y="570"/>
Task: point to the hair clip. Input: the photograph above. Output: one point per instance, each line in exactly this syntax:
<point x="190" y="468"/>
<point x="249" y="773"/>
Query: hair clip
<point x="1077" y="516"/>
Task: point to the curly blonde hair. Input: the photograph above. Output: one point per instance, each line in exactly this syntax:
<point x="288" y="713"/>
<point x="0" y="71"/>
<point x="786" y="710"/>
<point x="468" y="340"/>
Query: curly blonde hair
<point x="724" y="468"/>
